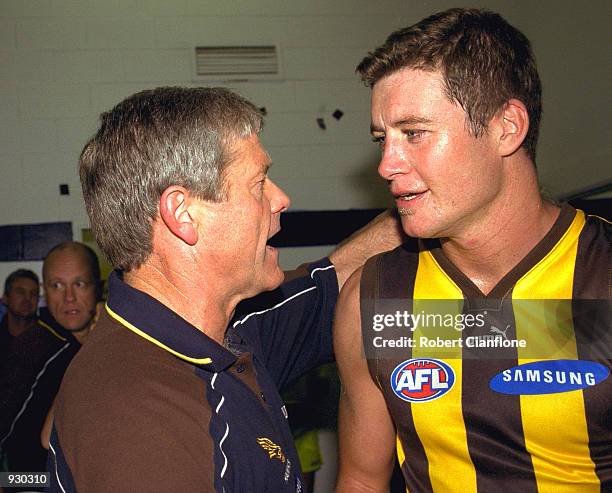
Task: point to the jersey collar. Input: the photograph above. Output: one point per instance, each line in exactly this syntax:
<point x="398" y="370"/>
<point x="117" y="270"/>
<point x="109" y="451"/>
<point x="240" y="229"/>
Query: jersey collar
<point x="153" y="321"/>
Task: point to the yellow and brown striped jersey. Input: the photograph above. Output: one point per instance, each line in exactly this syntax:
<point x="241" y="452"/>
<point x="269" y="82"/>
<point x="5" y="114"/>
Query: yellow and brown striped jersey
<point x="514" y="393"/>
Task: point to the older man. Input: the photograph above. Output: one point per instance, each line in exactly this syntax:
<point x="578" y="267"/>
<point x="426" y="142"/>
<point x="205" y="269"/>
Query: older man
<point x="179" y="387"/>
<point x="487" y="342"/>
<point x="39" y="357"/>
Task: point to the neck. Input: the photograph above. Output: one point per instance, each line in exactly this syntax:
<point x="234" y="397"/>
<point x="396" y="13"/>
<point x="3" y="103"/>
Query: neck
<point x="18" y="325"/>
<point x="200" y="303"/>
<point x="511" y="227"/>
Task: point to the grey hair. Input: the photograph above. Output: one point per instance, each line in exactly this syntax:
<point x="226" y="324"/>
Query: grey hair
<point x="148" y="142"/>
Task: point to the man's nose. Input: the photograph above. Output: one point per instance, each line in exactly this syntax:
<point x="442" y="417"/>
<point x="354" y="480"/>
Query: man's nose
<point x="394" y="160"/>
<point x="279" y="200"/>
<point x="69" y="294"/>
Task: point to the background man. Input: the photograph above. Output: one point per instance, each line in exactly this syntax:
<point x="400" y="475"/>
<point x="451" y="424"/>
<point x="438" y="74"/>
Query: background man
<point x="71" y="277"/>
<point x="178" y="382"/>
<point x="21" y="299"/>
<point x="456" y="109"/>
<point x="39" y="357"/>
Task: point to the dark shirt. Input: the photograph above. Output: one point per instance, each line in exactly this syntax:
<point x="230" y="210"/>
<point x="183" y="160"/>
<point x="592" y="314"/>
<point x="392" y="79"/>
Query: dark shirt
<point x="153" y="404"/>
<point x="5" y="340"/>
<point x="32" y="373"/>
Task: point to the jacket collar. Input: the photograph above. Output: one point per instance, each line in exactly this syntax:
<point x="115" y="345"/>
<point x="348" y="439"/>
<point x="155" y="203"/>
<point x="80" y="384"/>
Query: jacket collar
<point x="153" y="321"/>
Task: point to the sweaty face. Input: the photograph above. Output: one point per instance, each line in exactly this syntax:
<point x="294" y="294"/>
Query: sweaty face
<point x="240" y="226"/>
<point x="70" y="289"/>
<point x="22" y="298"/>
<point x="443" y="179"/>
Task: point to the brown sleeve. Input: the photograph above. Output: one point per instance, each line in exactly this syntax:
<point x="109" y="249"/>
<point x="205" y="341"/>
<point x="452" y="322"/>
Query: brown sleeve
<point x="132" y="425"/>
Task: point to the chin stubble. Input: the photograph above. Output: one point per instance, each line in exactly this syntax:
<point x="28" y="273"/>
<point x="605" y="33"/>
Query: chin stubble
<point x="405" y="211"/>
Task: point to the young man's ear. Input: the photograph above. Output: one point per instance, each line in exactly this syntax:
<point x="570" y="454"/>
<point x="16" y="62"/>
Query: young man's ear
<point x="174" y="211"/>
<point x="514" y="121"/>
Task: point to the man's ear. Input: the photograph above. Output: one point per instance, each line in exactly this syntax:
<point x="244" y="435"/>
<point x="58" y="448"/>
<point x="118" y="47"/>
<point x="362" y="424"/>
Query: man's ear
<point x="514" y="121"/>
<point x="174" y="211"/>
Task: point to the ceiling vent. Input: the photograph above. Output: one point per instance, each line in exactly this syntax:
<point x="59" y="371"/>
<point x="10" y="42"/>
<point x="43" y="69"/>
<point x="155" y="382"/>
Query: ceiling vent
<point x="223" y="63"/>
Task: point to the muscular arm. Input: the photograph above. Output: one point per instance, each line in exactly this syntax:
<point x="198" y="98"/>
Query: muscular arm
<point x="383" y="233"/>
<point x="367" y="434"/>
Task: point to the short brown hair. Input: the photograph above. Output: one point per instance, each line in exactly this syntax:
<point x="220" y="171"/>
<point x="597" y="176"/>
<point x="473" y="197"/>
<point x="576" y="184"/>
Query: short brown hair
<point x="484" y="62"/>
<point x="149" y="141"/>
<point x="19" y="274"/>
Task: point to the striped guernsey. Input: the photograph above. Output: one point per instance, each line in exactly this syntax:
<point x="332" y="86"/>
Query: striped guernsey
<point x="521" y="399"/>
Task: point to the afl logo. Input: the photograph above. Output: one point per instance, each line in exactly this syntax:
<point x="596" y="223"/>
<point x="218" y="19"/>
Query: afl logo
<point x="422" y="379"/>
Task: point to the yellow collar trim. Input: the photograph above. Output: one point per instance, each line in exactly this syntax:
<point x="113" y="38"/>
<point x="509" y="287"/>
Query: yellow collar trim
<point x="136" y="330"/>
<point x="50" y="329"/>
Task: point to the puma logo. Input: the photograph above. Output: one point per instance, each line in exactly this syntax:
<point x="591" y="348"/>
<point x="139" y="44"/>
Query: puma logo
<point x="495" y="330"/>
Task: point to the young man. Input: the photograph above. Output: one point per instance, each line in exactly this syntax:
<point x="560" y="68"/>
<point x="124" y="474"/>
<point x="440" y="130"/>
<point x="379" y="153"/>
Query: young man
<point x="178" y="383"/>
<point x="513" y="394"/>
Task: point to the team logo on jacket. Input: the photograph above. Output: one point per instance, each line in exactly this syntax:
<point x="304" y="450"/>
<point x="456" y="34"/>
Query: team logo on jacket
<point x="549" y="377"/>
<point x="274" y="451"/>
<point x="422" y="379"/>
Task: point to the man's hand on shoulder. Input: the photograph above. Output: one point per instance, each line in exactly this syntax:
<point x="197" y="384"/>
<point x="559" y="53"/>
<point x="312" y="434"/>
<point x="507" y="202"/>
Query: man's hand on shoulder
<point x="383" y="233"/>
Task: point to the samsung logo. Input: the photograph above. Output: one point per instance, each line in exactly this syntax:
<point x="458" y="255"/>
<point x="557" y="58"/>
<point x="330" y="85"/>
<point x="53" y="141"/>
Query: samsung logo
<point x="549" y="377"/>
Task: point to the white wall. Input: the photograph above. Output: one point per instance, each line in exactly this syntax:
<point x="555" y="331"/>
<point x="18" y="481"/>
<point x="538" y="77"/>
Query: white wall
<point x="62" y="62"/>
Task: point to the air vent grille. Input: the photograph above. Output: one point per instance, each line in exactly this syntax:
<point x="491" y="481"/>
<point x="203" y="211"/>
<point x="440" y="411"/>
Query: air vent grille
<point x="236" y="61"/>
